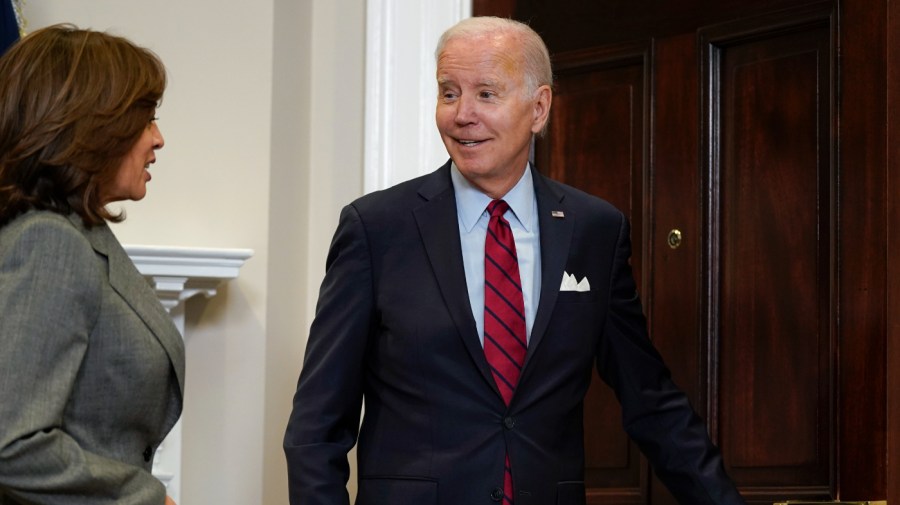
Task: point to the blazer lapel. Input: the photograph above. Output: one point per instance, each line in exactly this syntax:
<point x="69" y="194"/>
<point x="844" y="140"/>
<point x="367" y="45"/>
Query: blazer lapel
<point x="439" y="228"/>
<point x="557" y="224"/>
<point x="131" y="286"/>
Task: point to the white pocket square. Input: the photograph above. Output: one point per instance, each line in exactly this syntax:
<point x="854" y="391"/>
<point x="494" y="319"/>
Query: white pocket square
<point x="569" y="283"/>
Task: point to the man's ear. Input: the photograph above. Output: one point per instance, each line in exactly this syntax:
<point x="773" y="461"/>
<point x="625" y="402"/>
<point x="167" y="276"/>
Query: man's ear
<point x="543" y="96"/>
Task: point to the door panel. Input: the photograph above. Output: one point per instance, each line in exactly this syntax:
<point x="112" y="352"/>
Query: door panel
<point x="770" y="222"/>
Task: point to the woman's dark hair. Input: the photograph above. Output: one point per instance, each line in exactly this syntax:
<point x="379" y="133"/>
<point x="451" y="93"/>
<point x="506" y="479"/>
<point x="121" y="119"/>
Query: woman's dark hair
<point x="72" y="104"/>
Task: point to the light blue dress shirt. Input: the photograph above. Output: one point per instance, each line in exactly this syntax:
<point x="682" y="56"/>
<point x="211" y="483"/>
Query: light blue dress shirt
<point x="471" y="211"/>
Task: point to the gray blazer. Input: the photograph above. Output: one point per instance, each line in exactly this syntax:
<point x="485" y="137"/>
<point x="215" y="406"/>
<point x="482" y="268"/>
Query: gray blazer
<point x="91" y="367"/>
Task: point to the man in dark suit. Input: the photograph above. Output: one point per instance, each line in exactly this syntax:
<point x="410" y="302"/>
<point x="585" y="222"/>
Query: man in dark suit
<point x="469" y="327"/>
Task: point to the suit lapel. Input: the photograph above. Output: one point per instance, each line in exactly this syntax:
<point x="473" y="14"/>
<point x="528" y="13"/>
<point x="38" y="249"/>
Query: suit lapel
<point x="439" y="228"/>
<point x="131" y="286"/>
<point x="556" y="229"/>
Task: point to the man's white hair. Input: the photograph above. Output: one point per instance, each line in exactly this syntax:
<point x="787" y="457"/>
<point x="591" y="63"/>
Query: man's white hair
<point x="535" y="56"/>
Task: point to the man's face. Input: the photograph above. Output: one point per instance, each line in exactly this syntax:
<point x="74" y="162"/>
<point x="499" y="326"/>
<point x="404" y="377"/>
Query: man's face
<point x="485" y="114"/>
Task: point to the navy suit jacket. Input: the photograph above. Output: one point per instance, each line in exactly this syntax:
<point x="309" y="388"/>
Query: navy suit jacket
<point x="394" y="330"/>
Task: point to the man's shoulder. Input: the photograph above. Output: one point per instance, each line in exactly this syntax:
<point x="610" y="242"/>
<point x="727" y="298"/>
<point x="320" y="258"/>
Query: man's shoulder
<point x="406" y="195"/>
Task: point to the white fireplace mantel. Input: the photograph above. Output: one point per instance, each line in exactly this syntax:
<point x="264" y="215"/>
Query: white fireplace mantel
<point x="177" y="274"/>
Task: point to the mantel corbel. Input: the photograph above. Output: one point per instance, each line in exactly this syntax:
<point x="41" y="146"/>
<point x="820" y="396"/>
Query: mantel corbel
<point x="179" y="273"/>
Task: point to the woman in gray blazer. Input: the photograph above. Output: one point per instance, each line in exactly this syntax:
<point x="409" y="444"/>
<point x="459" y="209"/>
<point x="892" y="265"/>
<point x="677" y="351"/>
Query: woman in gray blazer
<point x="91" y="366"/>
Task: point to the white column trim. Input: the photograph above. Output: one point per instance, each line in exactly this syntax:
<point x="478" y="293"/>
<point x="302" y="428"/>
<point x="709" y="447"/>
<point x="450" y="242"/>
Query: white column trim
<point x="177" y="274"/>
<point x="401" y="140"/>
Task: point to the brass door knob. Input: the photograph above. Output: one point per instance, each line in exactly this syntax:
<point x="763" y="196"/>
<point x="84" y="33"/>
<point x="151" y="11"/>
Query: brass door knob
<point x="674" y="239"/>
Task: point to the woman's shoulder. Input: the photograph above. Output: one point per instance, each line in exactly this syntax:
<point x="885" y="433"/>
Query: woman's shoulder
<point x="47" y="250"/>
<point x="44" y="229"/>
<point x="37" y="218"/>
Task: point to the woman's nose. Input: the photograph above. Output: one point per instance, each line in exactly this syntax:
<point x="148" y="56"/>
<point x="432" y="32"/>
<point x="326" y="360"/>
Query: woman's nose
<point x="158" y="140"/>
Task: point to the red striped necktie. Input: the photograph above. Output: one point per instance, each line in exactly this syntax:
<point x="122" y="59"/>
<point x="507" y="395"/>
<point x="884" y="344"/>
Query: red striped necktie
<point x="504" y="312"/>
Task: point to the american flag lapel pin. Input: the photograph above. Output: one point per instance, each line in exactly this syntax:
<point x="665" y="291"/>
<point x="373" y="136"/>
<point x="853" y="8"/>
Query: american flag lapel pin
<point x="558" y="213"/>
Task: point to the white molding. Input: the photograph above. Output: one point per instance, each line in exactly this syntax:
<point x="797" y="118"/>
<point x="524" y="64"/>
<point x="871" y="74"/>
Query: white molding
<point x="192" y="262"/>
<point x="177" y="274"/>
<point x="401" y="140"/>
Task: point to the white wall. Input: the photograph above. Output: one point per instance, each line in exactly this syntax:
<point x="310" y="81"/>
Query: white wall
<point x="263" y="121"/>
<point x="317" y="169"/>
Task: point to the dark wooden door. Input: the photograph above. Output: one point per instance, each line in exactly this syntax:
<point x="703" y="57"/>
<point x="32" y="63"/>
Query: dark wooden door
<point x="757" y="132"/>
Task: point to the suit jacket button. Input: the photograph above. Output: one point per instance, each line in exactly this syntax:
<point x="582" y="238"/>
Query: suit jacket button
<point x="148" y="453"/>
<point x="509" y="422"/>
<point x="497" y="494"/>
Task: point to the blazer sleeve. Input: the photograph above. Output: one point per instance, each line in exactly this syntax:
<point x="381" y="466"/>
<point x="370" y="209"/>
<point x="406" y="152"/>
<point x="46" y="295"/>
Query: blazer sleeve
<point x="656" y="413"/>
<point x="50" y="292"/>
<point x="324" y="423"/>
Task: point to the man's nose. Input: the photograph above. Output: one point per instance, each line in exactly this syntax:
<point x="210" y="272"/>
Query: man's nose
<point x="466" y="110"/>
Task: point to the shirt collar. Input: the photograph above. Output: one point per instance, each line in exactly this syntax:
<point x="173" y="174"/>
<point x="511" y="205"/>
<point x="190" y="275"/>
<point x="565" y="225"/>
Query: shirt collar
<point x="471" y="203"/>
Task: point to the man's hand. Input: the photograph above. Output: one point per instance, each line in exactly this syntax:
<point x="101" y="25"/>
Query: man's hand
<point x="169" y="500"/>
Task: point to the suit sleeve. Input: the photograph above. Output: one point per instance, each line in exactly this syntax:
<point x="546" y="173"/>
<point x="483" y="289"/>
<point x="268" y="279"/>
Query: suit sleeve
<point x="50" y="292"/>
<point x="656" y="413"/>
<point x="324" y="423"/>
